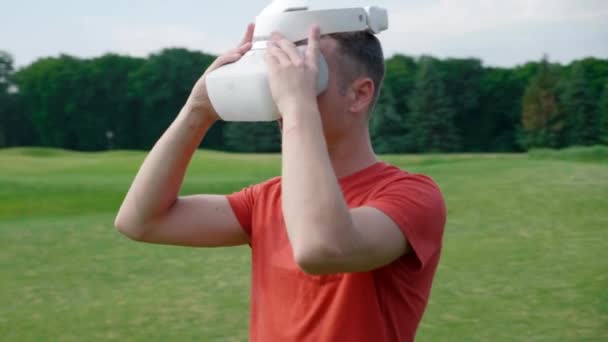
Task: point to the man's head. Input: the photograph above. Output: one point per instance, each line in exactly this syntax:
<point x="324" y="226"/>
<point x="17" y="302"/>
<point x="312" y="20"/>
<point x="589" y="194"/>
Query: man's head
<point x="356" y="72"/>
<point x="361" y="56"/>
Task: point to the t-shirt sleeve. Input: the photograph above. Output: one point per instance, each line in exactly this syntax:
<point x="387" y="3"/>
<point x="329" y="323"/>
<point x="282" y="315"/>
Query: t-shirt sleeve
<point x="416" y="205"/>
<point x="242" y="205"/>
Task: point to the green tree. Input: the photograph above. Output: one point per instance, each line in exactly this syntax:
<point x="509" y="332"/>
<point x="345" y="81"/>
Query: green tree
<point x="79" y="103"/>
<point x="109" y="114"/>
<point x="596" y="73"/>
<point x="462" y="79"/>
<point x="15" y="128"/>
<point x="6" y="70"/>
<point x="541" y="119"/>
<point x="579" y="110"/>
<point x="388" y="128"/>
<point x="603" y="116"/>
<point x="400" y="79"/>
<point x="252" y="137"/>
<point x="49" y="89"/>
<point x="426" y="104"/>
<point x="161" y="86"/>
<point x="431" y="121"/>
<point x="501" y="91"/>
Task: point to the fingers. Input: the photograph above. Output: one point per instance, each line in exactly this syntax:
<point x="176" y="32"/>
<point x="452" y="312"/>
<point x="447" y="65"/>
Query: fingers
<point x="244" y="48"/>
<point x="225" y="59"/>
<point x="313" y="50"/>
<point x="278" y="53"/>
<point x="248" y="38"/>
<point x="236" y="53"/>
<point x="229" y="57"/>
<point x="285" y="52"/>
<point x="288" y="48"/>
<point x="271" y="61"/>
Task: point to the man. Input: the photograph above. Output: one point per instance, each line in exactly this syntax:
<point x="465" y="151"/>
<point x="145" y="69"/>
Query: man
<point x="344" y="247"/>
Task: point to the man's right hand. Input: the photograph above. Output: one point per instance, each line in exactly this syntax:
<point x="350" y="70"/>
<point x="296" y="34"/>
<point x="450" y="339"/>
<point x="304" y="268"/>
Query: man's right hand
<point x="199" y="98"/>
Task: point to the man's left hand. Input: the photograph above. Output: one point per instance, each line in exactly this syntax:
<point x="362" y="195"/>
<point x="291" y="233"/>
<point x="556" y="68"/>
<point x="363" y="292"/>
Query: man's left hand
<point x="293" y="76"/>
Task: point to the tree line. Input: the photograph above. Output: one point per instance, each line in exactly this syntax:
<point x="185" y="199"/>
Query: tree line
<point x="427" y="104"/>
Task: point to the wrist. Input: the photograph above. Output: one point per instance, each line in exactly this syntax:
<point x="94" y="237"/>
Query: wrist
<point x="198" y="114"/>
<point x="300" y="108"/>
<point x="303" y="116"/>
<point x="203" y="110"/>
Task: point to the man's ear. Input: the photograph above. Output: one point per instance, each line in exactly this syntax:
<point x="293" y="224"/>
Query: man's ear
<point x="362" y="95"/>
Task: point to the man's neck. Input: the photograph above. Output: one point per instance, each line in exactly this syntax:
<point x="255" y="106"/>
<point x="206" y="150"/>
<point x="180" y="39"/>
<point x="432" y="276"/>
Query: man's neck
<point x="351" y="154"/>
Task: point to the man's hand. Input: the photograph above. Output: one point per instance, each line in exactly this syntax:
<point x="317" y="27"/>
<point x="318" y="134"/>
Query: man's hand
<point x="199" y="99"/>
<point x="293" y="77"/>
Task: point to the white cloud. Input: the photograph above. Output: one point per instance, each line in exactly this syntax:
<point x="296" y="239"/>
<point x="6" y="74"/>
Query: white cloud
<point x="140" y="38"/>
<point x="500" y="32"/>
<point x="463" y="16"/>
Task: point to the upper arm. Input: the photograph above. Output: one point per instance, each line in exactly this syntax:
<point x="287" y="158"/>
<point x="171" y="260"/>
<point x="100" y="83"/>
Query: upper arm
<point x="406" y="217"/>
<point x="380" y="239"/>
<point x="374" y="240"/>
<point x="197" y="221"/>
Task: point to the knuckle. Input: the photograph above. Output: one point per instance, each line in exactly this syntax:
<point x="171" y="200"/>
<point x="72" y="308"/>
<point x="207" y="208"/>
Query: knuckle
<point x="268" y="59"/>
<point x="274" y="50"/>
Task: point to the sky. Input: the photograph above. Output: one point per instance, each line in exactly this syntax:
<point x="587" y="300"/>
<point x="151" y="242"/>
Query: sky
<point x="501" y="33"/>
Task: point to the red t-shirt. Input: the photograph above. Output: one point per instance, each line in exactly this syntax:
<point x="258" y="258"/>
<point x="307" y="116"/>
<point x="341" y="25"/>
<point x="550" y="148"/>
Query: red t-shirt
<point x="385" y="304"/>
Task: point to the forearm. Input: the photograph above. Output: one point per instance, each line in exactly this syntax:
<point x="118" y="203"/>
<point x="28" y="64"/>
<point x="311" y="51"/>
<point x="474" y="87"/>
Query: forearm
<point x="158" y="182"/>
<point x="317" y="218"/>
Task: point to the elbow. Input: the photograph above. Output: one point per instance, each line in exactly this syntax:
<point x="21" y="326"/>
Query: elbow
<point x="315" y="260"/>
<point x="126" y="228"/>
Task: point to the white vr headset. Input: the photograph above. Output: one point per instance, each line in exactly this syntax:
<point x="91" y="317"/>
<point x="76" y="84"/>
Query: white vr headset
<point x="240" y="91"/>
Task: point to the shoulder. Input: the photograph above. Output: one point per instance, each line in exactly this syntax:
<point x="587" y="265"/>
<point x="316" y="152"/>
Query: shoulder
<point x="394" y="178"/>
<point x="410" y="194"/>
<point x="270" y="185"/>
<point x="415" y="203"/>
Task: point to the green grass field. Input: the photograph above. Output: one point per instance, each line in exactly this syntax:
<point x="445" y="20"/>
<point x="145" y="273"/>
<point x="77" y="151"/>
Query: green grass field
<point x="525" y="252"/>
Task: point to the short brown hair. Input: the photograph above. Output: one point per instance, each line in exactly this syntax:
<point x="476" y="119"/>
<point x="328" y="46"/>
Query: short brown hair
<point x="365" y="58"/>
